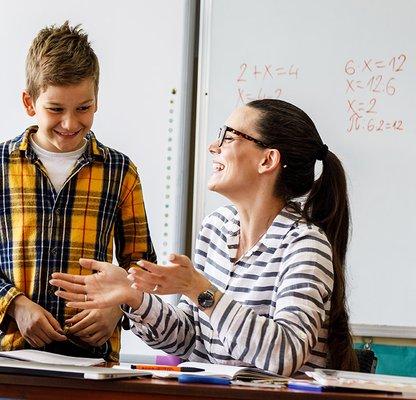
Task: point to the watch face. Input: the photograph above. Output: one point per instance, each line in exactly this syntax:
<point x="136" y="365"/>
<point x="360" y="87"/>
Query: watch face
<point x="206" y="299"/>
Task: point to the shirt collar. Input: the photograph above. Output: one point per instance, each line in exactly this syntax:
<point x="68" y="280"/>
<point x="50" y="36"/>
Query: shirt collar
<point x="21" y="146"/>
<point x="281" y="224"/>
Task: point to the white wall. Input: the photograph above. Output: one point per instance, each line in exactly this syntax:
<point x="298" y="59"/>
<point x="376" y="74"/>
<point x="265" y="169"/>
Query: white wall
<point x="145" y="54"/>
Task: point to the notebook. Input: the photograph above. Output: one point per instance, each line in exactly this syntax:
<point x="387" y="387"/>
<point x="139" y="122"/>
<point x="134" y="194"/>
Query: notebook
<point x="363" y="381"/>
<point x="224" y="371"/>
<point x="18" y="367"/>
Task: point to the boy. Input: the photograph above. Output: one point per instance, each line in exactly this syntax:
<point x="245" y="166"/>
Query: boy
<point x="63" y="196"/>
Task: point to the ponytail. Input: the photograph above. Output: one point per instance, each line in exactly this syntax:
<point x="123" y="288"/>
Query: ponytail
<point x="327" y="207"/>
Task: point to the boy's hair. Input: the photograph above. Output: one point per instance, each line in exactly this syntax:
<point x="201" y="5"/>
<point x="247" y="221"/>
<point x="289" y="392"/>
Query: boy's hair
<point x="59" y="56"/>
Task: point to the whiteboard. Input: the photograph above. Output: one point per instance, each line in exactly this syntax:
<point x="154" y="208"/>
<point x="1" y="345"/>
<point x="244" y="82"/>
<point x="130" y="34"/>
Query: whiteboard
<point x="145" y="54"/>
<point x="351" y="67"/>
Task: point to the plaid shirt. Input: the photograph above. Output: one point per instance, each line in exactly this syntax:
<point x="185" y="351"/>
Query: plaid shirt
<point x="42" y="231"/>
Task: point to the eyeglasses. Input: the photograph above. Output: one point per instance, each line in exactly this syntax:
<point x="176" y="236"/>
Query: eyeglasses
<point x="224" y="129"/>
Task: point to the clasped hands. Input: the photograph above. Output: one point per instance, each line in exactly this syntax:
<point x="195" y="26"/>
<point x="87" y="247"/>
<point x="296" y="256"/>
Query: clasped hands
<point x="112" y="285"/>
<point x="38" y="326"/>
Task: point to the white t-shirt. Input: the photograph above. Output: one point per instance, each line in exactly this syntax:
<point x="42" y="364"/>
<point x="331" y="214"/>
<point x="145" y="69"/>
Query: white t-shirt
<point x="57" y="165"/>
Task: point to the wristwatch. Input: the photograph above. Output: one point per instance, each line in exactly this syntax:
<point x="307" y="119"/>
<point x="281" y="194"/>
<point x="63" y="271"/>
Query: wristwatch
<point x="206" y="299"/>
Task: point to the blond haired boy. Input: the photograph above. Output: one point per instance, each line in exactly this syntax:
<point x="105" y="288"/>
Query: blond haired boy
<point x="63" y="196"/>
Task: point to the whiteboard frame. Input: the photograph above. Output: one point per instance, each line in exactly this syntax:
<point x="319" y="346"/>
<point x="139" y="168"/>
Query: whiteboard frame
<point x="201" y="126"/>
<point x="384" y="331"/>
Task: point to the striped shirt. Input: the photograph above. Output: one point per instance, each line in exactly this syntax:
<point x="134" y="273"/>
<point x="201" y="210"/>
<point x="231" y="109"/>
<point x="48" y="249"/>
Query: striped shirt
<point x="44" y="231"/>
<point x="274" y="311"/>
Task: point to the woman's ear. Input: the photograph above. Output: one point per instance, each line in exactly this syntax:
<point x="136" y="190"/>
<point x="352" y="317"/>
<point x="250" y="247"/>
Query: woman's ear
<point x="28" y="103"/>
<point x="270" y="162"/>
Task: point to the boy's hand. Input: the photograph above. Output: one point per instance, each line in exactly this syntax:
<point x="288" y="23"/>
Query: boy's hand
<point x="95" y="326"/>
<point x="37" y="326"/>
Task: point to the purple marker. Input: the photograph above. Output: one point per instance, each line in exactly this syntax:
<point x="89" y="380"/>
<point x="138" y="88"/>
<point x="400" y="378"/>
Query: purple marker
<point x="150" y="359"/>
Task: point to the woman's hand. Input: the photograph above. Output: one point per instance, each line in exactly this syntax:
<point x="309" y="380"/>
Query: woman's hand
<point x="180" y="277"/>
<point x="106" y="288"/>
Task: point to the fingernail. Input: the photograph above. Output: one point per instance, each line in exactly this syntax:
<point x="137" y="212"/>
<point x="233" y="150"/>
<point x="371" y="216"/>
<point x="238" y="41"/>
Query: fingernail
<point x="140" y="263"/>
<point x="171" y="257"/>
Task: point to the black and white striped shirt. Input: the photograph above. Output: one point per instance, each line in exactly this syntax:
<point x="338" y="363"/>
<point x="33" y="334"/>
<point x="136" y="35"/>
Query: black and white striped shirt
<point x="275" y="307"/>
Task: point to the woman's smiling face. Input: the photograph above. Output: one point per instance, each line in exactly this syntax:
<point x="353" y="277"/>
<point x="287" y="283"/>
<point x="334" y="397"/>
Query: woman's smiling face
<point x="235" y="163"/>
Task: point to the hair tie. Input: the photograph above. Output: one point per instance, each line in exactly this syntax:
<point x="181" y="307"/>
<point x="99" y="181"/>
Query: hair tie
<point x="322" y="152"/>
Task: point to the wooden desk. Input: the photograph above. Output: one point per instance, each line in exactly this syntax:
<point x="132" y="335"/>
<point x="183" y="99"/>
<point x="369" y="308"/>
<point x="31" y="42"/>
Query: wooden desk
<point x="43" y="388"/>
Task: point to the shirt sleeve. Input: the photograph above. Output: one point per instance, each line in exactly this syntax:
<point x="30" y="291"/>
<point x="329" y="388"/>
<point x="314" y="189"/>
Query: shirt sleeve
<point x="301" y="294"/>
<point x="132" y="236"/>
<point x="163" y="326"/>
<point x="7" y="294"/>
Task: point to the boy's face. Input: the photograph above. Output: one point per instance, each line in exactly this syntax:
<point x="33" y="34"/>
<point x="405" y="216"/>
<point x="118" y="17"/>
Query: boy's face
<point x="64" y="114"/>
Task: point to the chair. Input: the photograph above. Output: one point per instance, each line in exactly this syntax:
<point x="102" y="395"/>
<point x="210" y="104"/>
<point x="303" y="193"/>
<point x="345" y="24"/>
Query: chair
<point x="367" y="361"/>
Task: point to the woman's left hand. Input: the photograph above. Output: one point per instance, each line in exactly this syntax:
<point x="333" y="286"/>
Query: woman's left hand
<point x="108" y="287"/>
<point x="180" y="277"/>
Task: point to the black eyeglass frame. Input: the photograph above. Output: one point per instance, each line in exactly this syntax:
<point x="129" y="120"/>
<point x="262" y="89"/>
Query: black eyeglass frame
<point x="224" y="129"/>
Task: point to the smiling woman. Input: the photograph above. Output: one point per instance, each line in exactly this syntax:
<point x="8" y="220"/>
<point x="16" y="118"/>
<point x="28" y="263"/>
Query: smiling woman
<point x="266" y="267"/>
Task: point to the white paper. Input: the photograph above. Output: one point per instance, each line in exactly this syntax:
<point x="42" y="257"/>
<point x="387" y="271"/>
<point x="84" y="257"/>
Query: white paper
<point x="73" y="371"/>
<point x="50" y="358"/>
<point x="226" y="371"/>
<point x="229" y="371"/>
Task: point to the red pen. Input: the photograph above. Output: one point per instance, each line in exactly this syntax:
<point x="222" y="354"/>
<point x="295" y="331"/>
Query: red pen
<point x="165" y="368"/>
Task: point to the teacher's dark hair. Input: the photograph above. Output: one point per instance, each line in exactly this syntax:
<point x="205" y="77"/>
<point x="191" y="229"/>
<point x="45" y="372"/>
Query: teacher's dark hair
<point x="290" y="130"/>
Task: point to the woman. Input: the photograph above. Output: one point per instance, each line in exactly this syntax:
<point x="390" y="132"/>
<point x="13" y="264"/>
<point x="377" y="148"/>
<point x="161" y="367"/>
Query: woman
<point x="268" y="286"/>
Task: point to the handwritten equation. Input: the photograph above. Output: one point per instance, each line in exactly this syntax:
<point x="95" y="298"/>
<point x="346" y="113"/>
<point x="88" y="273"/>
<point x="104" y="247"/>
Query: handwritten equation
<point x="371" y="86"/>
<point x="255" y="81"/>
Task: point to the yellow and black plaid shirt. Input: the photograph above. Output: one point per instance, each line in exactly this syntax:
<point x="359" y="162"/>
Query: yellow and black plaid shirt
<point x="42" y="231"/>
